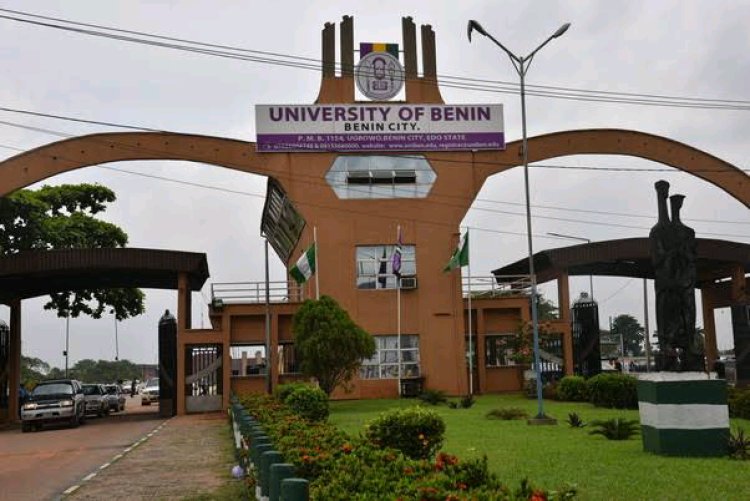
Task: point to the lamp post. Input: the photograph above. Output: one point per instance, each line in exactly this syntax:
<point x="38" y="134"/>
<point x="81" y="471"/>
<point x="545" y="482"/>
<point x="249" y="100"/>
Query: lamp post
<point x="67" y="341"/>
<point x="521" y="65"/>
<point x="591" y="277"/>
<point x="117" y="342"/>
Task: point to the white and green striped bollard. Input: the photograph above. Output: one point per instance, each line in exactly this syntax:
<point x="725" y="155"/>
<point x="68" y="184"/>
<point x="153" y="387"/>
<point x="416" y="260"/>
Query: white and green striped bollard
<point x="683" y="413"/>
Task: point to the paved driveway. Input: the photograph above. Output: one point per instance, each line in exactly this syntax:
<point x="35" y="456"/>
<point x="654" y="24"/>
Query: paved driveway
<point x="40" y="465"/>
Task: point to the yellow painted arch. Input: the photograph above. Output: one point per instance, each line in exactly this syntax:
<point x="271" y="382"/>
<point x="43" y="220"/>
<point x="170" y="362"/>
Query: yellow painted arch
<point x="55" y="158"/>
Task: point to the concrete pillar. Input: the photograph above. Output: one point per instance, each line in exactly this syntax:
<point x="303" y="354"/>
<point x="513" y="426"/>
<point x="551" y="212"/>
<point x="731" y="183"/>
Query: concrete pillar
<point x="14" y="365"/>
<point x="709" y="327"/>
<point x="272" y="357"/>
<point x="184" y="303"/>
<point x="480" y="349"/>
<point x="183" y="324"/>
<point x="739" y="285"/>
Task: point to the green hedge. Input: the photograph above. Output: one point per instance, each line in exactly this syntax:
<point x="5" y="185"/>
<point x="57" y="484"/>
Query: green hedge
<point x="284" y="390"/>
<point x="739" y="402"/>
<point x="309" y="402"/>
<point x="573" y="389"/>
<point x="415" y="431"/>
<point x="340" y="467"/>
<point x="613" y="390"/>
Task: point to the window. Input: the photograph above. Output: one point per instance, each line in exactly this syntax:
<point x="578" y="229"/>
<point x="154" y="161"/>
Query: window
<point x="384" y="364"/>
<point x="380" y="176"/>
<point x="248" y="359"/>
<point x="374" y="265"/>
<point x="288" y="362"/>
<point x="499" y="351"/>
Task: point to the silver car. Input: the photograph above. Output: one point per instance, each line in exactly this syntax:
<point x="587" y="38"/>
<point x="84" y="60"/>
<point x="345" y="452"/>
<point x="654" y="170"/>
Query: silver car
<point x="58" y="400"/>
<point x="97" y="402"/>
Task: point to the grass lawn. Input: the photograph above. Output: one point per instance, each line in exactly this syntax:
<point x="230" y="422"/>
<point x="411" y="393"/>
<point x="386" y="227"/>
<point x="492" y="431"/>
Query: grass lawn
<point x="550" y="456"/>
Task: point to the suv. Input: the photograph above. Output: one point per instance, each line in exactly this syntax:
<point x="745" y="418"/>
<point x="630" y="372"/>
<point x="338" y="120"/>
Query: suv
<point x="56" y="400"/>
<point x="150" y="392"/>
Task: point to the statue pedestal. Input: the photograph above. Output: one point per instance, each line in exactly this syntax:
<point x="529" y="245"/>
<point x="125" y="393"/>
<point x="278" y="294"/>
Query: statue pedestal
<point x="683" y="414"/>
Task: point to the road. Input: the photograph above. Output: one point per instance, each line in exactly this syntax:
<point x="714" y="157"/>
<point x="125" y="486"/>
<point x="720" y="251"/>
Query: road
<point x="41" y="465"/>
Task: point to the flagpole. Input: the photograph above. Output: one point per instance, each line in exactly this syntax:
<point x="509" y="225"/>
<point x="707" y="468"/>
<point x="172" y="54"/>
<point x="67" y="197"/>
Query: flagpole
<point x="269" y="382"/>
<point x="317" y="269"/>
<point x="471" y="355"/>
<point x="398" y="314"/>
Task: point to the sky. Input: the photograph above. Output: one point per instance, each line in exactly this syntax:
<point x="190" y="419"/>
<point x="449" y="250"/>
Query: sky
<point x="668" y="48"/>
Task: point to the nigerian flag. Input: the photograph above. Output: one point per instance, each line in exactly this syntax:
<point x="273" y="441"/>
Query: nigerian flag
<point x="305" y="267"/>
<point x="460" y="256"/>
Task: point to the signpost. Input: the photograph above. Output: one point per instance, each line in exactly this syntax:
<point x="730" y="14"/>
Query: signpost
<point x="379" y="127"/>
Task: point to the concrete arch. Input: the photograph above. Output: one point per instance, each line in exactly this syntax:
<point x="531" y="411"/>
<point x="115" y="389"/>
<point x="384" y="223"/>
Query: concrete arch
<point x="70" y="154"/>
<point x="618" y="142"/>
<point x="62" y="156"/>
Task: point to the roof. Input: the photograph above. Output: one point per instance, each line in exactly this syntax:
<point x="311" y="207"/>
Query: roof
<point x="629" y="257"/>
<point x="36" y="273"/>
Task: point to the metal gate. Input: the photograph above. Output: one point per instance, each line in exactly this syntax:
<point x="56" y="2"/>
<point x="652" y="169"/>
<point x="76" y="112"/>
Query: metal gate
<point x="167" y="365"/>
<point x="4" y="369"/>
<point x="203" y="377"/>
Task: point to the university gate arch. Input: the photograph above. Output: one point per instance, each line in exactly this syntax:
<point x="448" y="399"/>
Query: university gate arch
<point x="55" y="158"/>
<point x="429" y="222"/>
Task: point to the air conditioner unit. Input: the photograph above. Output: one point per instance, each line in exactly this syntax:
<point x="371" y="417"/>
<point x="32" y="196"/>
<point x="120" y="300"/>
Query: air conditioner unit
<point x="408" y="282"/>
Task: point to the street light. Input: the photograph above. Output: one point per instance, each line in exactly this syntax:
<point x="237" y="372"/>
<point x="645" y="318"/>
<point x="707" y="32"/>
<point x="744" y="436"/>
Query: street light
<point x="591" y="277"/>
<point x="521" y="65"/>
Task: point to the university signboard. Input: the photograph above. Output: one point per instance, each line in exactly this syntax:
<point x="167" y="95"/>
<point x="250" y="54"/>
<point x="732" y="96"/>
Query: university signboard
<point x="379" y="127"/>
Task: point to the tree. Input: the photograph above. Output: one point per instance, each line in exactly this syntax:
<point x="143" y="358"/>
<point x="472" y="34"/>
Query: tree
<point x="632" y="333"/>
<point x="545" y="309"/>
<point x="63" y="217"/>
<point x="330" y="345"/>
<point x="104" y="371"/>
<point x="33" y="370"/>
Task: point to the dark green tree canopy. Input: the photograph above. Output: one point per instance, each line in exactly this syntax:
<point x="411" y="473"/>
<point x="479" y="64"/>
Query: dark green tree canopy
<point x="632" y="333"/>
<point x="330" y="345"/>
<point x="63" y="217"/>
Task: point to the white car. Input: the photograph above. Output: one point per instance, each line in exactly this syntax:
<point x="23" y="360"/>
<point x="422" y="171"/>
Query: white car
<point x="150" y="392"/>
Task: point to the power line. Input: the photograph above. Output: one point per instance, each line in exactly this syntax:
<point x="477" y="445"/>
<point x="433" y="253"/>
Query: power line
<point x="79" y="120"/>
<point x="625" y="285"/>
<point x="313" y="64"/>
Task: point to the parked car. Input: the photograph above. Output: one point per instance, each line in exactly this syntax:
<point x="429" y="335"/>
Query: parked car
<point x="150" y="392"/>
<point x="96" y="399"/>
<point x="55" y="400"/>
<point x="115" y="397"/>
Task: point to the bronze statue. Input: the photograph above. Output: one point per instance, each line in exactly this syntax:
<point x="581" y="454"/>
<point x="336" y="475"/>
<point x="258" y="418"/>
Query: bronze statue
<point x="673" y="256"/>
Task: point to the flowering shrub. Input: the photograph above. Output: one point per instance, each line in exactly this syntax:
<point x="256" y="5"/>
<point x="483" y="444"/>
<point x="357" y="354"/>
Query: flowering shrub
<point x="284" y="390"/>
<point x="309" y="402"/>
<point x="340" y="467"/>
<point x="415" y="431"/>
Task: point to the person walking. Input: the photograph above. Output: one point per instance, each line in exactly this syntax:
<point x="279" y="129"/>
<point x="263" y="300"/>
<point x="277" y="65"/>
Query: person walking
<point x="132" y="389"/>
